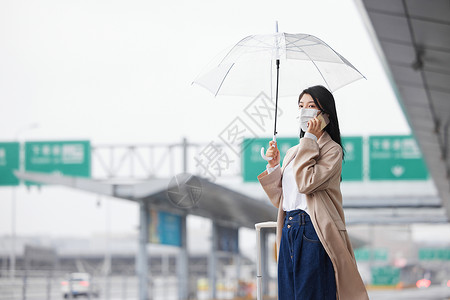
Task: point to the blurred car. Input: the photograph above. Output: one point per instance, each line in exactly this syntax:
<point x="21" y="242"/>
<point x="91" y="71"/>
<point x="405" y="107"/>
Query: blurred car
<point x="79" y="284"/>
<point x="424" y="282"/>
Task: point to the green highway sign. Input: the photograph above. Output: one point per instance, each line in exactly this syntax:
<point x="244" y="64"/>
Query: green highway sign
<point x="9" y="161"/>
<point x="365" y="254"/>
<point x="390" y="158"/>
<point x="434" y="254"/>
<point x="362" y="254"/>
<point x="385" y="275"/>
<point x="252" y="163"/>
<point x="352" y="166"/>
<point x="71" y="158"/>
<point x="395" y="158"/>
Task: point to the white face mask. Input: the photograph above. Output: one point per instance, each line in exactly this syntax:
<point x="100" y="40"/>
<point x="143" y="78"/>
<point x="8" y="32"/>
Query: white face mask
<point x="304" y="115"/>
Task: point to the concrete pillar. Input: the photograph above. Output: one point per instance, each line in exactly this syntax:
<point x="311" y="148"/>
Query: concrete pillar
<point x="182" y="264"/>
<point x="265" y="262"/>
<point x="237" y="261"/>
<point x="212" y="262"/>
<point x="142" y="259"/>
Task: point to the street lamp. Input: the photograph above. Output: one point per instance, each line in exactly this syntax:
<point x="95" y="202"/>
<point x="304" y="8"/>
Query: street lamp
<point x="12" y="266"/>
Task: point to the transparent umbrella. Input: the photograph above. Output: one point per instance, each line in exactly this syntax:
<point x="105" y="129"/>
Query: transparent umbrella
<point x="282" y="64"/>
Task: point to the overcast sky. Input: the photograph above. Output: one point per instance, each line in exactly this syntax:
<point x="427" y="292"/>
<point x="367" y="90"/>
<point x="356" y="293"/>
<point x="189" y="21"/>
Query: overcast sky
<point x="120" y="72"/>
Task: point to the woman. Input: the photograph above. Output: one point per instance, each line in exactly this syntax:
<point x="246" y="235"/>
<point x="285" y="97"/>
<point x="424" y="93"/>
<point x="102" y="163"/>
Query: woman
<point x="315" y="257"/>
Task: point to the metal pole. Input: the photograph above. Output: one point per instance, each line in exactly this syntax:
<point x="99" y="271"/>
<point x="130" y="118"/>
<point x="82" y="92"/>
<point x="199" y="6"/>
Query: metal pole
<point x="212" y="262"/>
<point x="258" y="265"/>
<point x="4" y="272"/>
<point x="142" y="267"/>
<point x="183" y="273"/>
<point x="12" y="269"/>
<point x="12" y="259"/>
<point x="265" y="262"/>
<point x="258" y="226"/>
<point x="165" y="272"/>
<point x="107" y="258"/>
<point x="185" y="160"/>
<point x="237" y="259"/>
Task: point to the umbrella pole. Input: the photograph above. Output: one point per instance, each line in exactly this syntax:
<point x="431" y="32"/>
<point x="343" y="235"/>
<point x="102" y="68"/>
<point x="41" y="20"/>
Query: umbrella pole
<point x="274" y="138"/>
<point x="276" y="102"/>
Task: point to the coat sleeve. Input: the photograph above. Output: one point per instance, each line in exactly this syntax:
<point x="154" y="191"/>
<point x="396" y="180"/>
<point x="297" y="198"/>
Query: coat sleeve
<point x="311" y="173"/>
<point x="271" y="184"/>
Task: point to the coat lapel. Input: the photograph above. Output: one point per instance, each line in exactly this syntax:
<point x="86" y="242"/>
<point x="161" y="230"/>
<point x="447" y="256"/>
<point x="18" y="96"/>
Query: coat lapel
<point x="289" y="156"/>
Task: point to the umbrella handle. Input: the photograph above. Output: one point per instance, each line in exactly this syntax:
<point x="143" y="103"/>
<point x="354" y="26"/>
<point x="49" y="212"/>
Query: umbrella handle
<point x="267" y="158"/>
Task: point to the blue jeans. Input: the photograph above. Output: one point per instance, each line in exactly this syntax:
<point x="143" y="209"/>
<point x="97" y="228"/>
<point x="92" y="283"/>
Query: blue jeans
<point x="305" y="271"/>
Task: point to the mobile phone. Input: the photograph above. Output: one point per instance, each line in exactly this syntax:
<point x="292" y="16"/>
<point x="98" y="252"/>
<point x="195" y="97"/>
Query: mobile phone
<point x="324" y="120"/>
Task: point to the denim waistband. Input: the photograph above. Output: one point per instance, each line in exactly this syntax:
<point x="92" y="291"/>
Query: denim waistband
<point x="297" y="215"/>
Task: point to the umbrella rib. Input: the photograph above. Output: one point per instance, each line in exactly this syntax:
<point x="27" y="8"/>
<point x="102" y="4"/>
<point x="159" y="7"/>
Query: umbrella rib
<point x="298" y="47"/>
<point x="223" y="79"/>
<point x="318" y="70"/>
<point x="298" y="39"/>
<point x="300" y="50"/>
<point x="261" y="42"/>
<point x="242" y="44"/>
<point x="231" y="50"/>
<point x="345" y="61"/>
<point x="258" y="49"/>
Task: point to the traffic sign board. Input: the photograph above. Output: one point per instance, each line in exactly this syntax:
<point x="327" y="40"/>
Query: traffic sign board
<point x="252" y="162"/>
<point x="395" y="158"/>
<point x="9" y="161"/>
<point x="365" y="254"/>
<point x="434" y="254"/>
<point x="71" y="158"/>
<point x="386" y="275"/>
<point x="390" y="158"/>
<point x="352" y="166"/>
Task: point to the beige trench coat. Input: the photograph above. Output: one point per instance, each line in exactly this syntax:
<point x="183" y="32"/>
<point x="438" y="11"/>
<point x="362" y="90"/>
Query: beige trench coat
<point x="317" y="169"/>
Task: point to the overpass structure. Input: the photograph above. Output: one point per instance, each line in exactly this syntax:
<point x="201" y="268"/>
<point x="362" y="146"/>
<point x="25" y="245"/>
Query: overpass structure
<point x="412" y="38"/>
<point x="182" y="195"/>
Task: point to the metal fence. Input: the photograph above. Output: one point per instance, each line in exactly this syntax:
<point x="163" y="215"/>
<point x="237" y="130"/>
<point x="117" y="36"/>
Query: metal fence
<point x="38" y="285"/>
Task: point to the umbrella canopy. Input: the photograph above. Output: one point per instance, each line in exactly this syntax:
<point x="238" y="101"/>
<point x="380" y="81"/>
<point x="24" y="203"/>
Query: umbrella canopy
<point x="249" y="67"/>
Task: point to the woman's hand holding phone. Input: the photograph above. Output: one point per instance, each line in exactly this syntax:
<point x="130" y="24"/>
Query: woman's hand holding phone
<point x="273" y="152"/>
<point x="316" y="125"/>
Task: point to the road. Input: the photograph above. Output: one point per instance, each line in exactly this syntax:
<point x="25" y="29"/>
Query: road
<point x="431" y="293"/>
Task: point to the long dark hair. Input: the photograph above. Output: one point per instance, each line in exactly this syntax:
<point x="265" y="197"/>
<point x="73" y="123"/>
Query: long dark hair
<point x="324" y="100"/>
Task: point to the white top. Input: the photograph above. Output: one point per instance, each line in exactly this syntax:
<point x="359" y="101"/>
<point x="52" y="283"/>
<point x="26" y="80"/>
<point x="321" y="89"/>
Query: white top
<point x="292" y="199"/>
